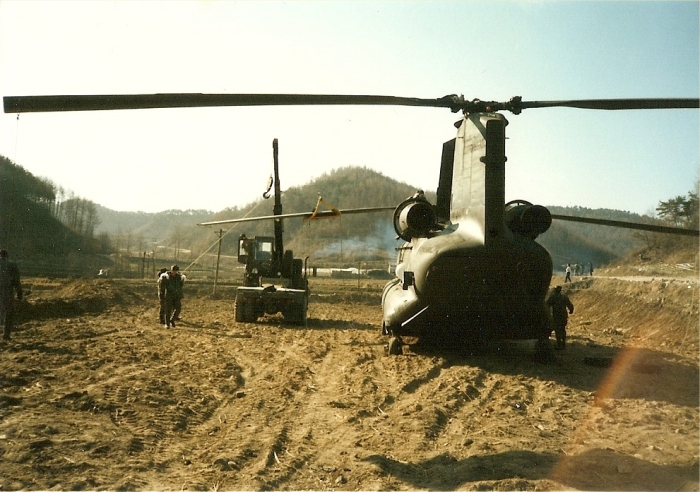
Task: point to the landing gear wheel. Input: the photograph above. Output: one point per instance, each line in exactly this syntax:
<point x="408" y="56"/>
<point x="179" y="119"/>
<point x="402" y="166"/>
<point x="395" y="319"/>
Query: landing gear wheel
<point x="543" y="351"/>
<point x="395" y="346"/>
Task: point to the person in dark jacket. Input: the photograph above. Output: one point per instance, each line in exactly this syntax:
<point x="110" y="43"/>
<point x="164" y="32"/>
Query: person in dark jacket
<point x="170" y="291"/>
<point x="561" y="307"/>
<point x="9" y="284"/>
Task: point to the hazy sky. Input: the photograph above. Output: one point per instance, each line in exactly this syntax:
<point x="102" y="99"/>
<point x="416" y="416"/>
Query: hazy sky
<point x="153" y="160"/>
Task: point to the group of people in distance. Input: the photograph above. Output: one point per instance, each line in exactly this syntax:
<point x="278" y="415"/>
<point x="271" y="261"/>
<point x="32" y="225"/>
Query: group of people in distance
<point x="170" y="294"/>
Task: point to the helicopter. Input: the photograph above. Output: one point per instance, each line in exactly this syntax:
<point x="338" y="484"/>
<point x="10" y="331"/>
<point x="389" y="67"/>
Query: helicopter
<point x="469" y="270"/>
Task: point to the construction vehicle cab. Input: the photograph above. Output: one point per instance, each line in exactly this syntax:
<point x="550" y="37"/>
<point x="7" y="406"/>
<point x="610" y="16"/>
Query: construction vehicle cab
<point x="270" y="285"/>
<point x="257" y="254"/>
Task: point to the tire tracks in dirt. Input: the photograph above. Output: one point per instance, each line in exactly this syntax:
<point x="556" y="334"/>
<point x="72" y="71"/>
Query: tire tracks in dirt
<point x="277" y="426"/>
<point x="117" y="402"/>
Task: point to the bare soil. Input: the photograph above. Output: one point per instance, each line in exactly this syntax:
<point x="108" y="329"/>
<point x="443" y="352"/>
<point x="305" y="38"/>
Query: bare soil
<point x="95" y="394"/>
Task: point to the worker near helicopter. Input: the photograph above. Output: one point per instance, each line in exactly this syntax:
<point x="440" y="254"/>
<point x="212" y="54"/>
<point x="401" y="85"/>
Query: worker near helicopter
<point x="568" y="273"/>
<point x="560" y="306"/>
<point x="170" y="293"/>
<point x="9" y="284"/>
<point x="161" y="299"/>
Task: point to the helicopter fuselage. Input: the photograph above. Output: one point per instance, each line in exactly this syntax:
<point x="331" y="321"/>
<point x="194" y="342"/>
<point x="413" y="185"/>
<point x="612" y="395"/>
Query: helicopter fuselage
<point x="454" y="281"/>
<point x="469" y="265"/>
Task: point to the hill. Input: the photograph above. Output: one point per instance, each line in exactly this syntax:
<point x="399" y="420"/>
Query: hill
<point x="140" y="232"/>
<point x="578" y="243"/>
<point x="367" y="236"/>
<point x="351" y="238"/>
<point x="173" y="234"/>
<point x="37" y="224"/>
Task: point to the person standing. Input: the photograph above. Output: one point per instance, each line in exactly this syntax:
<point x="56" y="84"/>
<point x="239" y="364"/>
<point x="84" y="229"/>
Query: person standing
<point x="560" y="306"/>
<point x="170" y="290"/>
<point x="9" y="283"/>
<point x="568" y="273"/>
<point x="161" y="299"/>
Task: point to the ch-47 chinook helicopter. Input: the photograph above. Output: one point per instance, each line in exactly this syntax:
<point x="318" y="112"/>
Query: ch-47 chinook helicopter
<point x="469" y="267"/>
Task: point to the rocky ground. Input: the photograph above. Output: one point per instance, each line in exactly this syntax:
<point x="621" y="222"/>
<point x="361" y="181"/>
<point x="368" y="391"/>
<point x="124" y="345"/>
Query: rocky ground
<point x="94" y="394"/>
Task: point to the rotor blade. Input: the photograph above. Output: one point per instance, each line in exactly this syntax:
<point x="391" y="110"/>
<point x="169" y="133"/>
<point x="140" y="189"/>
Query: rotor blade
<point x="615" y="104"/>
<point x="28" y="104"/>
<point x="630" y="225"/>
<point x="320" y="215"/>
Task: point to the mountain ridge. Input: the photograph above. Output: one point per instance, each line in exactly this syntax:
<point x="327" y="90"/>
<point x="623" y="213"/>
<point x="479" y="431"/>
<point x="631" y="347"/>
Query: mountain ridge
<point x="354" y="187"/>
<point x="39" y="219"/>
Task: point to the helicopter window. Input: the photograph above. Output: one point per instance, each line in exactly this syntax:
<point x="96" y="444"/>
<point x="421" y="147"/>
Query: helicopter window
<point x="243" y="247"/>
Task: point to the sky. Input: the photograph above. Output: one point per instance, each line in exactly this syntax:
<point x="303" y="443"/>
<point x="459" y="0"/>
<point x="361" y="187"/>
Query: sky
<point x="215" y="158"/>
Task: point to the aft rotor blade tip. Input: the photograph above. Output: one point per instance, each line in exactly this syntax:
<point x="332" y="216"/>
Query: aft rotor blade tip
<point x="616" y="104"/>
<point x="630" y="225"/>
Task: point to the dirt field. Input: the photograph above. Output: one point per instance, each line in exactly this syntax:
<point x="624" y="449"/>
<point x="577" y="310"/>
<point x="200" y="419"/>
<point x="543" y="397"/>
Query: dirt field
<point x="94" y="394"/>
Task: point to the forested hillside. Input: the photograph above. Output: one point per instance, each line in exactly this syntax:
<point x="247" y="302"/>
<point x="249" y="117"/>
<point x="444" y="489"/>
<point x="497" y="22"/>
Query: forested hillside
<point x="139" y="232"/>
<point x="358" y="187"/>
<point x="38" y="222"/>
<point x="175" y="234"/>
<point x="577" y="243"/>
<point x="349" y="187"/>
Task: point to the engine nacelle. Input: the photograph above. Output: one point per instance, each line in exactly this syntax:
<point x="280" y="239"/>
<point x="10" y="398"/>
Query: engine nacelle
<point x="415" y="217"/>
<point x="528" y="220"/>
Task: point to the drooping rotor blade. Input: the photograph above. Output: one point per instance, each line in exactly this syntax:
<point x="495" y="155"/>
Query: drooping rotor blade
<point x="516" y="104"/>
<point x="28" y="104"/>
<point x="616" y="104"/>
<point x="318" y="215"/>
<point x="630" y="225"/>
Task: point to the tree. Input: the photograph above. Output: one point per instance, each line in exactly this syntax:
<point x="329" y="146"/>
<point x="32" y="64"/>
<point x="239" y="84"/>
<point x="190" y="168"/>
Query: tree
<point x="671" y="211"/>
<point x="691" y="208"/>
<point x="680" y="211"/>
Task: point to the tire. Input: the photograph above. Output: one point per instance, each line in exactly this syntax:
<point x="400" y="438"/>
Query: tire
<point x="244" y="312"/>
<point x="239" y="315"/>
<point x="250" y="315"/>
<point x="304" y="311"/>
<point x="297" y="313"/>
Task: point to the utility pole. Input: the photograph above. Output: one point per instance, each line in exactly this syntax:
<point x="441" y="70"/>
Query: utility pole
<point x="218" y="257"/>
